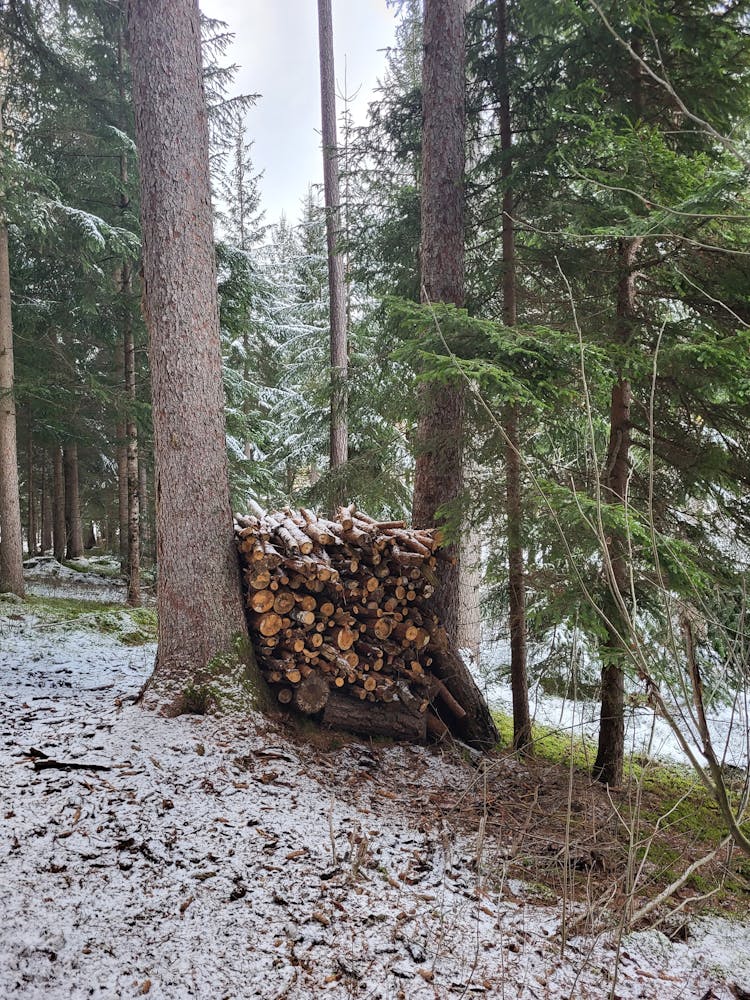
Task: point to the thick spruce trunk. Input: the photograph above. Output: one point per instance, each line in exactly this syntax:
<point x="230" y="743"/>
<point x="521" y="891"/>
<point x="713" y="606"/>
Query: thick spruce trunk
<point x="73" y="529"/>
<point x="58" y="505"/>
<point x="438" y="478"/>
<point x="513" y="488"/>
<point x="339" y="445"/>
<point x="199" y="597"/>
<point x="11" y="543"/>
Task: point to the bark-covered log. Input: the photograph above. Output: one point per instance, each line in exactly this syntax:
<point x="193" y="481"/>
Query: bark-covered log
<point x="390" y="719"/>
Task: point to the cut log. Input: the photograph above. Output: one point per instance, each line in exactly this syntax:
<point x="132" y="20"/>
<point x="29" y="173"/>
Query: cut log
<point x="391" y="719"/>
<point x="312" y="694"/>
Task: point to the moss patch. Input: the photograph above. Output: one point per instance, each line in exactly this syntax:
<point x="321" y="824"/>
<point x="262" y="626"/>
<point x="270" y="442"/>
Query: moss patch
<point x="132" y="626"/>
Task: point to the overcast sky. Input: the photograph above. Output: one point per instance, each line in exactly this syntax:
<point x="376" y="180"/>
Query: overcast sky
<point x="276" y="48"/>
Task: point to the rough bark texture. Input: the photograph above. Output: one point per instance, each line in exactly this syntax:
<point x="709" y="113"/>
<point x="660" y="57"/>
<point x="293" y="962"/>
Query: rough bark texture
<point x="11" y="544"/>
<point x="393" y="720"/>
<point x="134" y="547"/>
<point x="199" y="597"/>
<point x="58" y="505"/>
<point x="336" y="285"/>
<point x="143" y="509"/>
<point x="122" y="487"/>
<point x="470" y="609"/>
<point x="438" y="476"/>
<point x="128" y="346"/>
<point x="516" y="570"/>
<point x="73" y="531"/>
<point x="608" y="766"/>
<point x="46" y="507"/>
<point x="31" y="520"/>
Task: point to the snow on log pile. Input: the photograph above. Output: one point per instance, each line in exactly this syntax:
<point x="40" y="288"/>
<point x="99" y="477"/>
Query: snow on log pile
<point x="339" y="612"/>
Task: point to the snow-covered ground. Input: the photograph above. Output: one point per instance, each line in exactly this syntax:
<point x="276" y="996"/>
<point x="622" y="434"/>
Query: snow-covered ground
<point x="219" y="859"/>
<point x="93" y="579"/>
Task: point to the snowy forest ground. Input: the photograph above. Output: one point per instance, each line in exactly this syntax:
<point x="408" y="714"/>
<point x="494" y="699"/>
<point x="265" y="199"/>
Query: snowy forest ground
<point x="243" y="858"/>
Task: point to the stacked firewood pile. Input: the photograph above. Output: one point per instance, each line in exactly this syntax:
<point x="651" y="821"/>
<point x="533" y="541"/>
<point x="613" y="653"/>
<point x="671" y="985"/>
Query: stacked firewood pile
<point x="340" y="617"/>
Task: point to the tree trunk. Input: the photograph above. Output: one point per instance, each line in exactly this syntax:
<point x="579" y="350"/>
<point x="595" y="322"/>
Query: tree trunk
<point x="73" y="530"/>
<point x="46" y="507"/>
<point x="513" y="490"/>
<point x="58" y="505"/>
<point x="336" y="285"/>
<point x="11" y="544"/>
<point x="143" y="509"/>
<point x="199" y="598"/>
<point x="128" y="346"/>
<point x="134" y="548"/>
<point x="470" y="608"/>
<point x="30" y="486"/>
<point x="608" y="766"/>
<point x="438" y="478"/>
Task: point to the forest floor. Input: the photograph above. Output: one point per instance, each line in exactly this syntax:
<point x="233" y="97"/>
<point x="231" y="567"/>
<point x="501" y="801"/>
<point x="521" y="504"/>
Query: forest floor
<point x="233" y="858"/>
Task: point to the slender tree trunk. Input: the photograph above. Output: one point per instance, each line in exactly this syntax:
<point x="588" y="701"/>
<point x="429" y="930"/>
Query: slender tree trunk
<point x="610" y="756"/>
<point x="470" y="616"/>
<point x="199" y="598"/>
<point x="513" y="489"/>
<point x="143" y="509"/>
<point x="46" y="506"/>
<point x="30" y="485"/>
<point x="439" y="466"/>
<point x="59" y="532"/>
<point x="11" y="544"/>
<point x="336" y="283"/>
<point x="121" y="436"/>
<point x="608" y="766"/>
<point x="73" y="530"/>
<point x="91" y="539"/>
<point x="131" y="428"/>
<point x="134" y="548"/>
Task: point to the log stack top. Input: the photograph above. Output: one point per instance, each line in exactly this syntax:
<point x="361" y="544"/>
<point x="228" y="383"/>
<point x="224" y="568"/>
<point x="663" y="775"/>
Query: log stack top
<point x="340" y="617"/>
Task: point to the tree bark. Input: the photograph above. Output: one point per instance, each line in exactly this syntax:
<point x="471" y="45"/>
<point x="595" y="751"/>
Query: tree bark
<point x="31" y="524"/>
<point x="513" y="488"/>
<point x="73" y="530"/>
<point x="46" y="507"/>
<point x="134" y="549"/>
<point x="608" y="766"/>
<point x="336" y="285"/>
<point x="438" y="478"/>
<point x="143" y="509"/>
<point x="610" y="756"/>
<point x="199" y="597"/>
<point x="131" y="428"/>
<point x="11" y="543"/>
<point x="58" y="505"/>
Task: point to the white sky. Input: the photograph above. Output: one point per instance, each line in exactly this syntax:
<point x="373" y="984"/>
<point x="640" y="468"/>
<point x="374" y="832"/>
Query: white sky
<point x="276" y="48"/>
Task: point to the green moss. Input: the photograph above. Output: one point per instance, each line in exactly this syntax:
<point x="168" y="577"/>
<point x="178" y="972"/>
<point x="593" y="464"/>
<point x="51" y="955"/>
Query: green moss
<point x="132" y="626"/>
